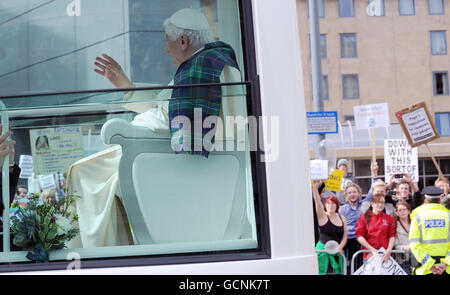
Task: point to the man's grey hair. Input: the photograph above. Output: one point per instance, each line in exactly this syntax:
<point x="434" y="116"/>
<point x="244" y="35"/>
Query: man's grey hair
<point x="196" y="38"/>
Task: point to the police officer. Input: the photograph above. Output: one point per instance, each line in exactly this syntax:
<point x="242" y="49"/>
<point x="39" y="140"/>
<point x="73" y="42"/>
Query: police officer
<point x="429" y="234"/>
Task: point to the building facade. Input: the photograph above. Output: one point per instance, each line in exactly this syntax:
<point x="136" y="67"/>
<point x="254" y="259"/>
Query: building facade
<point x="375" y="51"/>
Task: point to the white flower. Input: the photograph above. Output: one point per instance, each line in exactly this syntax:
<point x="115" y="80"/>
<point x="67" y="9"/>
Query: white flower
<point x="62" y="224"/>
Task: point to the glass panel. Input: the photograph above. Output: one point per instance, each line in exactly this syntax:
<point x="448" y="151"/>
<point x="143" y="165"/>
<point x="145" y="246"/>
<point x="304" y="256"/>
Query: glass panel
<point x="443" y="123"/>
<point x="438" y="43"/>
<point x="444" y="164"/>
<point x="350" y="86"/>
<point x="362" y="168"/>
<point x="348" y="45"/>
<point x="406" y="7"/>
<point x="325" y="95"/>
<point x="376" y="8"/>
<point x="430" y="168"/>
<point x="323" y="46"/>
<point x="346" y="8"/>
<point x="436" y="6"/>
<point x="64" y="114"/>
<point x="441" y="84"/>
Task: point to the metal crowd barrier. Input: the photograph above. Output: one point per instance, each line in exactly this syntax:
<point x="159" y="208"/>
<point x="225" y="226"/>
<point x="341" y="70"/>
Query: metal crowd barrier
<point x="344" y="267"/>
<point x="352" y="263"/>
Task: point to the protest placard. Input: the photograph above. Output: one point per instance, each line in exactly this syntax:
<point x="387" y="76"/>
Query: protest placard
<point x="55" y="149"/>
<point x="399" y="158"/>
<point x="419" y="128"/>
<point x="47" y="182"/>
<point x="371" y="116"/>
<point x="417" y="124"/>
<point x="318" y="169"/>
<point x="334" y="181"/>
<point x="26" y="166"/>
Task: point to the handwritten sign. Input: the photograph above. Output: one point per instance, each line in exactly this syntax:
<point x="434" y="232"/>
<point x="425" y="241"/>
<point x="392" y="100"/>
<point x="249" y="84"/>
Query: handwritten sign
<point x="400" y="157"/>
<point x="334" y="181"/>
<point x="26" y="166"/>
<point x="319" y="169"/>
<point x="371" y="116"/>
<point x="55" y="149"/>
<point x="322" y="122"/>
<point x="417" y="124"/>
<point x="47" y="182"/>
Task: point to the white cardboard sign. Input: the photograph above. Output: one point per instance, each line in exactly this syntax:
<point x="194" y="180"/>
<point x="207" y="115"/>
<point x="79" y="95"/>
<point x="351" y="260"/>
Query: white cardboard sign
<point x="319" y="169"/>
<point x="26" y="166"/>
<point x="400" y="157"/>
<point x="371" y="116"/>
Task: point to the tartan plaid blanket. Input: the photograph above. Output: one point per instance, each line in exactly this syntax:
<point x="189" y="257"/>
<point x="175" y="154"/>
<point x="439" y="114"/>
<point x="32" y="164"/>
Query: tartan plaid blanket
<point x="190" y="106"/>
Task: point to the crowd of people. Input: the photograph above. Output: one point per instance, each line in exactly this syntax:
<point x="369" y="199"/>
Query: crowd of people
<point x="379" y="223"/>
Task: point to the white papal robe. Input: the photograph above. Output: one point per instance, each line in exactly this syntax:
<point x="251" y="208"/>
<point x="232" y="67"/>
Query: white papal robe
<point x="102" y="220"/>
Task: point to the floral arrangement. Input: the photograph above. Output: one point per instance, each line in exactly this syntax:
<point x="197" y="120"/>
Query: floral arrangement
<point x="44" y="226"/>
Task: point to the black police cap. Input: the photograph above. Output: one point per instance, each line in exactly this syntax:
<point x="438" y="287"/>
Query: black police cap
<point x="432" y="191"/>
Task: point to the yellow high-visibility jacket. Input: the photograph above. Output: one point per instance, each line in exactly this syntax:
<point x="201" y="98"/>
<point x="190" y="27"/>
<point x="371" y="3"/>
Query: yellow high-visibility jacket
<point x="429" y="236"/>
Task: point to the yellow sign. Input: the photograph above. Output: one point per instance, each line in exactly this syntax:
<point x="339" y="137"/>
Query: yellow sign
<point x="334" y="181"/>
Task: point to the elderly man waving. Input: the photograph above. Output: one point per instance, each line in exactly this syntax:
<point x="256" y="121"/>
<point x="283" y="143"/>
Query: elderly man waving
<point x="199" y="61"/>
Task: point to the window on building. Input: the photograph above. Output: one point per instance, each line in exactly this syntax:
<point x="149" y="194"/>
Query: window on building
<point x="350" y="86"/>
<point x="321" y="7"/>
<point x="346" y="8"/>
<point x="406" y="7"/>
<point x="349" y="118"/>
<point x="440" y="83"/>
<point x="438" y="42"/>
<point x="348" y="45"/>
<point x="376" y="8"/>
<point x="325" y="95"/>
<point x="323" y="46"/>
<point x="443" y="123"/>
<point x="436" y="6"/>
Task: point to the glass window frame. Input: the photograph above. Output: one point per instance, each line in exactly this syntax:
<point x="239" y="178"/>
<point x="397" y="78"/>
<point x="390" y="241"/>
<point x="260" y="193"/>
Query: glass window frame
<point x="413" y="11"/>
<point x="439" y="13"/>
<point x="251" y="80"/>
<point x="357" y="85"/>
<point x="438" y="122"/>
<point x="434" y="83"/>
<point x="321" y="8"/>
<point x="341" y="38"/>
<point x="352" y="14"/>
<point x="445" y="40"/>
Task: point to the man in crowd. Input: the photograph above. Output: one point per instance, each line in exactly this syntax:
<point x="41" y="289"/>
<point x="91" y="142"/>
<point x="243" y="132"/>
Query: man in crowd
<point x="429" y="235"/>
<point x="343" y="165"/>
<point x="443" y="184"/>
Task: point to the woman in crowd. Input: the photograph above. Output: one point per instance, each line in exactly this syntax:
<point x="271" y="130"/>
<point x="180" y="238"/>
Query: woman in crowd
<point x="332" y="226"/>
<point x="402" y="221"/>
<point x="376" y="229"/>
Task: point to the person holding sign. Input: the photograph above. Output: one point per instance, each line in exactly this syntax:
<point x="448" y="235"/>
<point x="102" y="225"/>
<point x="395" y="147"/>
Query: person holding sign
<point x="351" y="211"/>
<point x="376" y="229"/>
<point x="332" y="226"/>
<point x="405" y="190"/>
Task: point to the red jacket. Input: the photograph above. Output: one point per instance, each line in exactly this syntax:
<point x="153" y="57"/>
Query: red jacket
<point x="382" y="227"/>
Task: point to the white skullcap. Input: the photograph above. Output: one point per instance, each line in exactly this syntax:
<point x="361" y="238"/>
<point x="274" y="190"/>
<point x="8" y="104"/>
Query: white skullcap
<point x="190" y="19"/>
